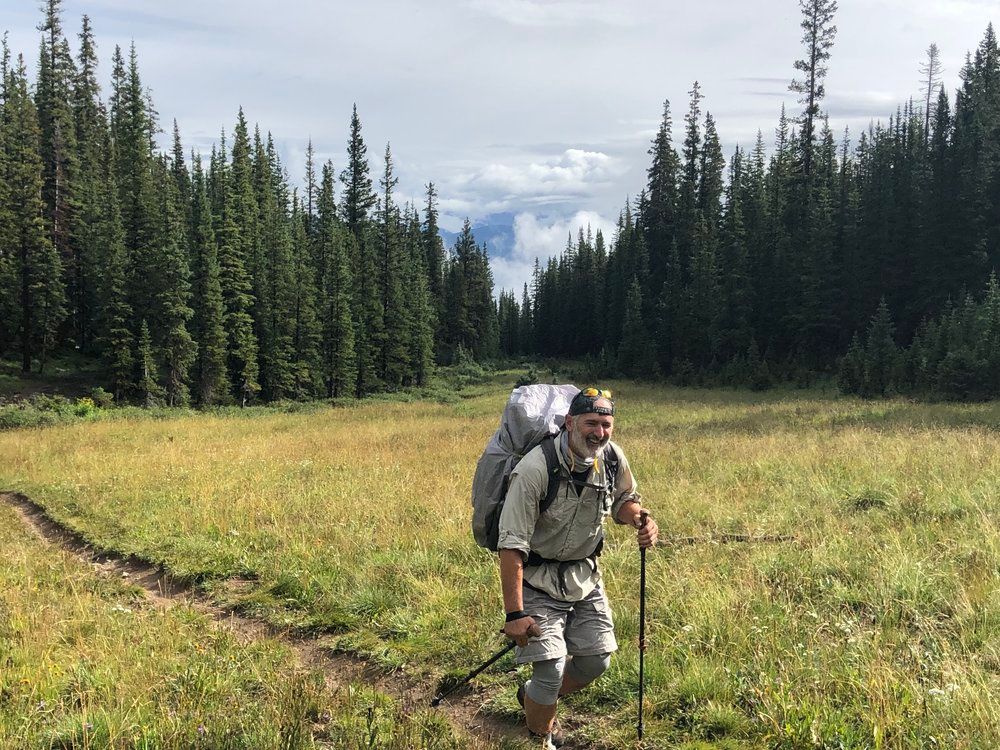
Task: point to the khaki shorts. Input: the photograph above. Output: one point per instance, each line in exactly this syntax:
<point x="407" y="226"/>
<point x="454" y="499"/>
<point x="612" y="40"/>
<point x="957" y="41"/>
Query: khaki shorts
<point x="583" y="628"/>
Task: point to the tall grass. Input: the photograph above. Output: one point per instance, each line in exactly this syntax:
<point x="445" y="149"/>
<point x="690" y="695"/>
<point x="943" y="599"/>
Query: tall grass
<point x="879" y="626"/>
<point x="86" y="662"/>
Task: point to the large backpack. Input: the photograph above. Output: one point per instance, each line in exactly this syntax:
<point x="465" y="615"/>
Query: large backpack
<point x="534" y="414"/>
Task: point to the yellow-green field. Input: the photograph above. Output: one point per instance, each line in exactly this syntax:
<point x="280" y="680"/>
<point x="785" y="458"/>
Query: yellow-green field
<point x="879" y="626"/>
<point x="87" y="662"/>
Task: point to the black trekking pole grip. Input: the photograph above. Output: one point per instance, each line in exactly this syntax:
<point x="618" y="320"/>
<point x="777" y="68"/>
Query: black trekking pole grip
<point x="485" y="665"/>
<point x="642" y="626"/>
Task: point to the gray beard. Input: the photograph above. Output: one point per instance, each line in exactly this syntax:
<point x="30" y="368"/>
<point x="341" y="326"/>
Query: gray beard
<point x="575" y="459"/>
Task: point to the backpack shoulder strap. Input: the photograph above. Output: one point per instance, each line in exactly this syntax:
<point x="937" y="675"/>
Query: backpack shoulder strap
<point x="552" y="470"/>
<point x="611" y="466"/>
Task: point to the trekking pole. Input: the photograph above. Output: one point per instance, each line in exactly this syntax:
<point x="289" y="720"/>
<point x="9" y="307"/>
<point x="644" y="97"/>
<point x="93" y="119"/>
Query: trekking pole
<point x="485" y="665"/>
<point x="642" y="624"/>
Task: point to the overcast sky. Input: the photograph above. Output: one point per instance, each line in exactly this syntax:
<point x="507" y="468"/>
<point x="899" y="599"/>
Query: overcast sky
<point x="541" y="108"/>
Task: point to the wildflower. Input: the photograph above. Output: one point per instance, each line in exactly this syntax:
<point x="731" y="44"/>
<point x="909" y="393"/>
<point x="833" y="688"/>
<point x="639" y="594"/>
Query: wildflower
<point x="201" y="729"/>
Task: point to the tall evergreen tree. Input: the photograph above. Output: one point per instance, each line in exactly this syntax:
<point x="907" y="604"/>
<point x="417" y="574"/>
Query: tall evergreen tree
<point x="357" y="201"/>
<point x="236" y="241"/>
<point x="434" y="256"/>
<point x="337" y="352"/>
<point x="58" y="150"/>
<point x="637" y="351"/>
<point x="659" y="215"/>
<point x="173" y="290"/>
<point x="306" y="333"/>
<point x="209" y="310"/>
<point x="358" y="197"/>
<point x="395" y="344"/>
<point x="819" y="32"/>
<point x="421" y="319"/>
<point x="37" y="267"/>
<point x="94" y="157"/>
<point x="149" y="388"/>
<point x="931" y="82"/>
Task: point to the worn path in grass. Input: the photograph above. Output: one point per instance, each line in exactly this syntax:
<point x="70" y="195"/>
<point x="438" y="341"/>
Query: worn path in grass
<point x="339" y="669"/>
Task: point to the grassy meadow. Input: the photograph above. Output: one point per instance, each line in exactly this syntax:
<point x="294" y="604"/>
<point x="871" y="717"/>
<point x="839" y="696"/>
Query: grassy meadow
<point x="87" y="662"/>
<point x="877" y="627"/>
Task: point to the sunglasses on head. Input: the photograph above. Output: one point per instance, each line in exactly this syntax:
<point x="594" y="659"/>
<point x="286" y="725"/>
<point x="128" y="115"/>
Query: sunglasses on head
<point x="593" y="392"/>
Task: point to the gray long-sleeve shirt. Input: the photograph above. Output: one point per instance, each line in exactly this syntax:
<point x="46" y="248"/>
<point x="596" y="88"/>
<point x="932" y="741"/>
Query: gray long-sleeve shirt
<point x="570" y="528"/>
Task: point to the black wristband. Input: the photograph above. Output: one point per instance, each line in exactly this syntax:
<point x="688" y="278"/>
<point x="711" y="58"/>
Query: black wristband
<point x="518" y="615"/>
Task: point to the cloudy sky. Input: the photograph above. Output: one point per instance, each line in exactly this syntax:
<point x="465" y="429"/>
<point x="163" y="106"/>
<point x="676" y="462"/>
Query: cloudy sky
<point x="539" y="108"/>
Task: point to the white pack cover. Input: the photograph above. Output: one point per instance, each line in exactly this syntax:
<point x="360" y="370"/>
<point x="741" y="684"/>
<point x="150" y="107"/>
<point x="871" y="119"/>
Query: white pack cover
<point x="532" y="412"/>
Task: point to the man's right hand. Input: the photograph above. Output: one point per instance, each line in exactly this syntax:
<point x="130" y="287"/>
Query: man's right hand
<point x="521" y="630"/>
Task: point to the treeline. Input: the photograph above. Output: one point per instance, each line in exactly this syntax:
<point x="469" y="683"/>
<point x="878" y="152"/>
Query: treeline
<point x="213" y="282"/>
<point x="766" y="270"/>
<point x="954" y="356"/>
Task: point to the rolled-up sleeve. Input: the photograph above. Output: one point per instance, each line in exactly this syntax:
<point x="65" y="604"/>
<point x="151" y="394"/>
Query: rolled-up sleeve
<point x="625" y="487"/>
<point x="520" y="509"/>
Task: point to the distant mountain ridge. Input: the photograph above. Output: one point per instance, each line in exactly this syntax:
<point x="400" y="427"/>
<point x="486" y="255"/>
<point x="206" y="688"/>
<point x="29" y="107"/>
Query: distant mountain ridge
<point x="496" y="231"/>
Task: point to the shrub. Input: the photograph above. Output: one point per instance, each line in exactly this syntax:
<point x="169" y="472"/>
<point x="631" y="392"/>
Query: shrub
<point x="101" y="398"/>
<point x="84" y="407"/>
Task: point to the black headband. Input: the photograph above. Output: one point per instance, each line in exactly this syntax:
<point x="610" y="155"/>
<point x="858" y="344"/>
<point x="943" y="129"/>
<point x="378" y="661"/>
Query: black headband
<point x="582" y="404"/>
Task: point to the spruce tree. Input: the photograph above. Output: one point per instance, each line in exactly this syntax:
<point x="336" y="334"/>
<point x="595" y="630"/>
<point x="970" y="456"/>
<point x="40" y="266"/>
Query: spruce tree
<point x="819" y="32"/>
<point x="881" y="354"/>
<point x="58" y="150"/>
<point x="395" y="344"/>
<point x="272" y="271"/>
<point x="434" y="258"/>
<point x="149" y="389"/>
<point x="637" y="349"/>
<point x="357" y="200"/>
<point x="659" y="217"/>
<point x="37" y="267"/>
<point x="421" y="315"/>
<point x="358" y="197"/>
<point x="337" y="352"/>
<point x="369" y="329"/>
<point x="173" y="290"/>
<point x="306" y="335"/>
<point x="931" y="82"/>
<point x="340" y="358"/>
<point x="209" y="311"/>
<point x="235" y="241"/>
<point x="94" y="156"/>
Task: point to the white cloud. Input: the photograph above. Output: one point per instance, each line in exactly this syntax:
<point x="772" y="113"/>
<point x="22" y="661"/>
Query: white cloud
<point x="575" y="173"/>
<point x="555" y="12"/>
<point x="536" y="237"/>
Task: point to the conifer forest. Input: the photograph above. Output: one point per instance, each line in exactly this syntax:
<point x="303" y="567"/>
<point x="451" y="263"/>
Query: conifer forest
<point x="216" y="278"/>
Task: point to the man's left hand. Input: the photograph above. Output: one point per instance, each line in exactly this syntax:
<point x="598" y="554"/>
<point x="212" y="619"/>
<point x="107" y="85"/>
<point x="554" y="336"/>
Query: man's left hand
<point x="648" y="530"/>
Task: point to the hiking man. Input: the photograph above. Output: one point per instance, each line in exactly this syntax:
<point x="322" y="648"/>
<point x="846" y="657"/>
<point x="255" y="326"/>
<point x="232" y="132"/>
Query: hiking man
<point x="548" y="560"/>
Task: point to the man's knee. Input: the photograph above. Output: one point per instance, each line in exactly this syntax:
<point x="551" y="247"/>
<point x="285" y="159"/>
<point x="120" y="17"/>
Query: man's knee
<point x="546" y="679"/>
<point x="585" y="669"/>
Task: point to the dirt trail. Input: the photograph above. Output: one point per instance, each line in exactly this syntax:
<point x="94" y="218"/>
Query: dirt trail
<point x="463" y="708"/>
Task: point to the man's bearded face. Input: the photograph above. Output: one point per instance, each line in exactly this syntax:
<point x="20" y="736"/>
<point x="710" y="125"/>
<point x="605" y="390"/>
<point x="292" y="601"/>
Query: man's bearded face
<point x="589" y="433"/>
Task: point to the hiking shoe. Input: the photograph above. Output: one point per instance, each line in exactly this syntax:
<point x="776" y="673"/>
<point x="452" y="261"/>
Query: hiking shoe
<point x="557" y="735"/>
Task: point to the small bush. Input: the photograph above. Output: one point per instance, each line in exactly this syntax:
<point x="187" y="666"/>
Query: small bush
<point x="84" y="407"/>
<point x="16" y="416"/>
<point x="101" y="398"/>
<point x="528" y="378"/>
